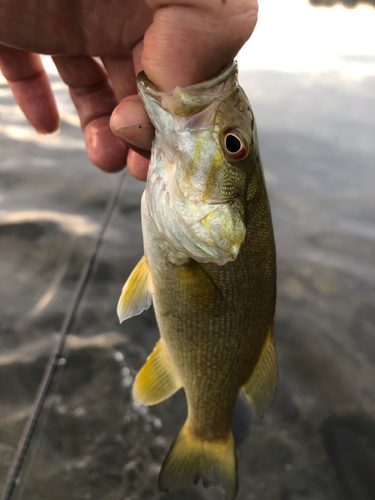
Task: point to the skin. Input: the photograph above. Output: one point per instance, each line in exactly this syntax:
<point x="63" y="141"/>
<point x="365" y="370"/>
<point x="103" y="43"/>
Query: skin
<point x="165" y="38"/>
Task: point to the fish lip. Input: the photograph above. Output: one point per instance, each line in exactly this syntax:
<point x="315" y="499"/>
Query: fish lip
<point x="146" y="83"/>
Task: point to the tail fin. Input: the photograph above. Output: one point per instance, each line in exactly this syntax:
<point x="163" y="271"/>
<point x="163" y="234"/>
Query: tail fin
<point x="191" y="458"/>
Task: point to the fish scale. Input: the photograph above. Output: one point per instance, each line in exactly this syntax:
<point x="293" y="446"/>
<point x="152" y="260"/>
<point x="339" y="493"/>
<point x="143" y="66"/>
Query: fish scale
<point x="210" y="270"/>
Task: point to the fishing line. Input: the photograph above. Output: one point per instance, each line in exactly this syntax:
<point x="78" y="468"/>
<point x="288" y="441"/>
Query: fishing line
<point x="53" y="362"/>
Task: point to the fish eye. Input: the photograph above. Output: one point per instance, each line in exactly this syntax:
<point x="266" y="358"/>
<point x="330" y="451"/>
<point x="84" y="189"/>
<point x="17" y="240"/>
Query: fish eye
<point x="235" y="144"/>
<point x="232" y="143"/>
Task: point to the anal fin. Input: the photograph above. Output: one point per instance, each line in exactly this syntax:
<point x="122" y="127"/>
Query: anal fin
<point x="136" y="293"/>
<point x="260" y="387"/>
<point x="157" y="379"/>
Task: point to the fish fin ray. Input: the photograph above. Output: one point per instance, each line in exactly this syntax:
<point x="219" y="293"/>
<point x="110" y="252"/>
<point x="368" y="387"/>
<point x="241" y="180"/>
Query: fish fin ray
<point x="157" y="380"/>
<point x="191" y="458"/>
<point x="136" y="293"/>
<point x="260" y="387"/>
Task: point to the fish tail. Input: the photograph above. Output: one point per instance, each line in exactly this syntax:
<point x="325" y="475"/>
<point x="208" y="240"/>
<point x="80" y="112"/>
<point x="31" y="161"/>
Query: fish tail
<point x="191" y="458"/>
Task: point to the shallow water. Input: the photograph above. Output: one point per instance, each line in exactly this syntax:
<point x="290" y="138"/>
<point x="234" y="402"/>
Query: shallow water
<point x="317" y="441"/>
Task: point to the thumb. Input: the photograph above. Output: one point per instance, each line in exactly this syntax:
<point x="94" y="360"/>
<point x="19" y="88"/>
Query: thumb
<point x="193" y="40"/>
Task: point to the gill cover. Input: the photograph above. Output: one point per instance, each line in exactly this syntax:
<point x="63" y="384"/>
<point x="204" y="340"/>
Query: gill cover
<point x="187" y="193"/>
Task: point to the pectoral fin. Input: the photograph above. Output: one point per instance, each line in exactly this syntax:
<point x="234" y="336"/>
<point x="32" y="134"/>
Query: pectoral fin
<point x="157" y="380"/>
<point x="198" y="288"/>
<point x="260" y="387"/>
<point x="136" y="293"/>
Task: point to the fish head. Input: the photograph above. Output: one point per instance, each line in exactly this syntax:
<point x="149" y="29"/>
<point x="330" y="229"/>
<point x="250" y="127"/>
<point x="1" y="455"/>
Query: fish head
<point x="200" y="165"/>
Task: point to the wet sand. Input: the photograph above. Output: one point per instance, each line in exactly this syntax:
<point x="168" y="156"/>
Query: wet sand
<point x="317" y="441"/>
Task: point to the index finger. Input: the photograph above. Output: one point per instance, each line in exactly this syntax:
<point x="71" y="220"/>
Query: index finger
<point x="93" y="96"/>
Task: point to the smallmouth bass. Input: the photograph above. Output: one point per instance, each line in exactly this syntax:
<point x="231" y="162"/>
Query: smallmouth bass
<point x="209" y="268"/>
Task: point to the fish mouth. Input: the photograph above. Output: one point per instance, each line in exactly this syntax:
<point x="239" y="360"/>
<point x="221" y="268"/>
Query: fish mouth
<point x="190" y="100"/>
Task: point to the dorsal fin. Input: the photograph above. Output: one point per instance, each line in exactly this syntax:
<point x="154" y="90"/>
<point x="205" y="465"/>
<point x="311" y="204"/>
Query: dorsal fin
<point x="136" y="293"/>
<point x="260" y="387"/>
<point x="157" y="379"/>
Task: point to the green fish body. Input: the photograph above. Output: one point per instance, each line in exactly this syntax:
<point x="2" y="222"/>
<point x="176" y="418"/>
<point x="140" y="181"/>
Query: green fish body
<point x="210" y="270"/>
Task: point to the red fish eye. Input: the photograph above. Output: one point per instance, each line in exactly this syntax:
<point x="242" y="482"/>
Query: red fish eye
<point x="235" y="145"/>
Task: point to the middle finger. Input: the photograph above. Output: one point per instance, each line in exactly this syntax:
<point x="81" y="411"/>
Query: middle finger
<point x="93" y="96"/>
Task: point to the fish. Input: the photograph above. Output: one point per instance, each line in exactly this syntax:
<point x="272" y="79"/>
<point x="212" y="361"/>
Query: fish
<point x="209" y="268"/>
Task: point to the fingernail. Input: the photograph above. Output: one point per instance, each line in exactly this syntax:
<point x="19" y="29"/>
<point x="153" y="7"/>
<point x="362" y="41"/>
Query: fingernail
<point x="143" y="126"/>
<point x="139" y="136"/>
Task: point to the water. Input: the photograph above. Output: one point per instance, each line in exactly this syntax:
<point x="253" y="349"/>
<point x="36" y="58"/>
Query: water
<point x="316" y="121"/>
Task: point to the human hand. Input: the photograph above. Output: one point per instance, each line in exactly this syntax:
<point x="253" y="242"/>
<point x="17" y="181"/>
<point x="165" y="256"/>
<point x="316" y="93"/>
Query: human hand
<point x="177" y="43"/>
